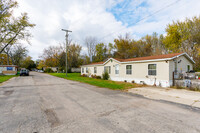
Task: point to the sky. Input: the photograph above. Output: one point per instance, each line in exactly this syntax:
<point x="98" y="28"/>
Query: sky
<point x="103" y="19"/>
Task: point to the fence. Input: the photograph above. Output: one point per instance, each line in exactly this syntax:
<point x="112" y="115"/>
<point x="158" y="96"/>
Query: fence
<point x="187" y="83"/>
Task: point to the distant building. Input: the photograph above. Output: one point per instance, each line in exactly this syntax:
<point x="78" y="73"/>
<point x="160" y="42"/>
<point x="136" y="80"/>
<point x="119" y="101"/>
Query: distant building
<point x="76" y="70"/>
<point x="152" y="70"/>
<point x="55" y="69"/>
<point x="8" y="70"/>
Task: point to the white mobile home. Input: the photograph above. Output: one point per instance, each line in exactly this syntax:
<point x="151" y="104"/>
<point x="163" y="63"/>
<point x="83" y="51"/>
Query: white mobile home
<point x="152" y="70"/>
<point x="8" y="70"/>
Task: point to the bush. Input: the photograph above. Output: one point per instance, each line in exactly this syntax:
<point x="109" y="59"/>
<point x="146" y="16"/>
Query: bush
<point x="98" y="77"/>
<point x="69" y="71"/>
<point x="94" y="76"/>
<point x="105" y="76"/>
<point x="48" y="70"/>
<point x="125" y="80"/>
<point x="61" y="69"/>
<point x="83" y="75"/>
<point x="133" y="81"/>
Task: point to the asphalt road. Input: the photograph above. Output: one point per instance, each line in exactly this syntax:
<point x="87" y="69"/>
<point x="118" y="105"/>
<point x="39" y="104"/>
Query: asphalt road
<point x="42" y="103"/>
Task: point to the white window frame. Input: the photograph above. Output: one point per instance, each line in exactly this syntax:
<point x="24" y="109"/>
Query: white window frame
<point x="152" y="71"/>
<point x="128" y="71"/>
<point x="86" y="69"/>
<point x="109" y="69"/>
<point x="117" y="69"/>
<point x="95" y="70"/>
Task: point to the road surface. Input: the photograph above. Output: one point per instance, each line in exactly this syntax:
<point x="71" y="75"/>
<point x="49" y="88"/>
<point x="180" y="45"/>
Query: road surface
<point x="41" y="103"/>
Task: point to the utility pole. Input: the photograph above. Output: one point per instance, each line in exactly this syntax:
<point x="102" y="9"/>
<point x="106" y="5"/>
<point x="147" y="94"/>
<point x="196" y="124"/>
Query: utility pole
<point x="67" y="34"/>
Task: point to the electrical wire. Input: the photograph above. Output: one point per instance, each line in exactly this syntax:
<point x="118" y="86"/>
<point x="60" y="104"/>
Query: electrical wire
<point x="169" y="5"/>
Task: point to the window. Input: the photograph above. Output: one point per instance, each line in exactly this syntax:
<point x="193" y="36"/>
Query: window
<point x="82" y="70"/>
<point x="107" y="69"/>
<point x="86" y="70"/>
<point x="152" y="69"/>
<point x="117" y="69"/>
<point x="128" y="69"/>
<point x="9" y="68"/>
<point x="188" y="68"/>
<point x="95" y="69"/>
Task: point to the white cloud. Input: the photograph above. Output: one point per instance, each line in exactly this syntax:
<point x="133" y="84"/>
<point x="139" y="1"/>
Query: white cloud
<point x="92" y="18"/>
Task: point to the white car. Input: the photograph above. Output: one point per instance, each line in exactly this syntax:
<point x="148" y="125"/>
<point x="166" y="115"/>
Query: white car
<point x="41" y="71"/>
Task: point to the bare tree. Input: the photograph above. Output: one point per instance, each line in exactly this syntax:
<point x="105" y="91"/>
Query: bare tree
<point x="91" y="43"/>
<point x="17" y="53"/>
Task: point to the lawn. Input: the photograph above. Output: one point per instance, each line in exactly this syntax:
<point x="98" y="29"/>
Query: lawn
<point x="4" y="78"/>
<point x="97" y="82"/>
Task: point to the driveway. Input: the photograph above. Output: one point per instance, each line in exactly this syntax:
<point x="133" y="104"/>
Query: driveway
<point x="182" y="96"/>
<point x="42" y="103"/>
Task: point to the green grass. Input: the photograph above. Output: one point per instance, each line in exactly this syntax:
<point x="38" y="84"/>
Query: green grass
<point x="97" y="82"/>
<point x="4" y="78"/>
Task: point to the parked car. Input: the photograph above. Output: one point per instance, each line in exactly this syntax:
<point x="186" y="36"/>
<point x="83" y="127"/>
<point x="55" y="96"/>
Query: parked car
<point x="191" y="71"/>
<point x="190" y="75"/>
<point x="24" y="72"/>
<point x="41" y="71"/>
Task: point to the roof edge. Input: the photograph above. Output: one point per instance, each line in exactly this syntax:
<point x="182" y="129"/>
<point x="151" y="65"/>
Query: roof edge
<point x="186" y="56"/>
<point x="150" y="60"/>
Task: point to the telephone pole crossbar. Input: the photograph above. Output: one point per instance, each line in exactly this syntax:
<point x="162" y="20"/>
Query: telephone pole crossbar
<point x="66" y="36"/>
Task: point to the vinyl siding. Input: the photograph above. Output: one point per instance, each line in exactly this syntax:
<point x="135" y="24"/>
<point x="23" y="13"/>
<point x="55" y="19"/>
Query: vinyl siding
<point x="181" y="67"/>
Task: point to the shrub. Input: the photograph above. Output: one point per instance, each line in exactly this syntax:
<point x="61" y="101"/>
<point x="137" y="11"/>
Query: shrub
<point x="69" y="71"/>
<point x="61" y="69"/>
<point x="125" y="80"/>
<point x="142" y="82"/>
<point x="83" y="75"/>
<point x="48" y="70"/>
<point x="94" y="76"/>
<point x="105" y="76"/>
<point x="98" y="77"/>
<point x="133" y="81"/>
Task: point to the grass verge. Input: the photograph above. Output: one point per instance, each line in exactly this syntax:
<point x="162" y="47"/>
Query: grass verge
<point x="4" y="78"/>
<point x="97" y="82"/>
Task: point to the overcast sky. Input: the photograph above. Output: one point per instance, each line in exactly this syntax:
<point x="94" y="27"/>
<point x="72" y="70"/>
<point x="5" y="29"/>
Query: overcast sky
<point x="104" y="19"/>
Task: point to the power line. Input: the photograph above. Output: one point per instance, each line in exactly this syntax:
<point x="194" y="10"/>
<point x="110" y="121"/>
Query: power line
<point x="171" y="4"/>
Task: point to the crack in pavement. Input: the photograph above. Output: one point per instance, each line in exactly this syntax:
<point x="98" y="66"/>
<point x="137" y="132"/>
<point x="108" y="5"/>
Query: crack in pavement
<point x="52" y="118"/>
<point x="8" y="92"/>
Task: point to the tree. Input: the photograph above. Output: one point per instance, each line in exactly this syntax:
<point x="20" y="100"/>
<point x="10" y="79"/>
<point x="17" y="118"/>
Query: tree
<point x="51" y="55"/>
<point x="110" y="50"/>
<point x="4" y="59"/>
<point x="125" y="47"/>
<point x="28" y="63"/>
<point x="54" y="56"/>
<point x="17" y="54"/>
<point x="101" y="52"/>
<point x="41" y="65"/>
<point x="85" y="59"/>
<point x="12" y="29"/>
<point x="6" y="51"/>
<point x="74" y="51"/>
<point x="184" y="37"/>
<point x="151" y="45"/>
<point x="91" y="43"/>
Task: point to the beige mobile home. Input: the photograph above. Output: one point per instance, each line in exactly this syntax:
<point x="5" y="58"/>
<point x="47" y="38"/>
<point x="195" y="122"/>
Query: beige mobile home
<point x="152" y="70"/>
